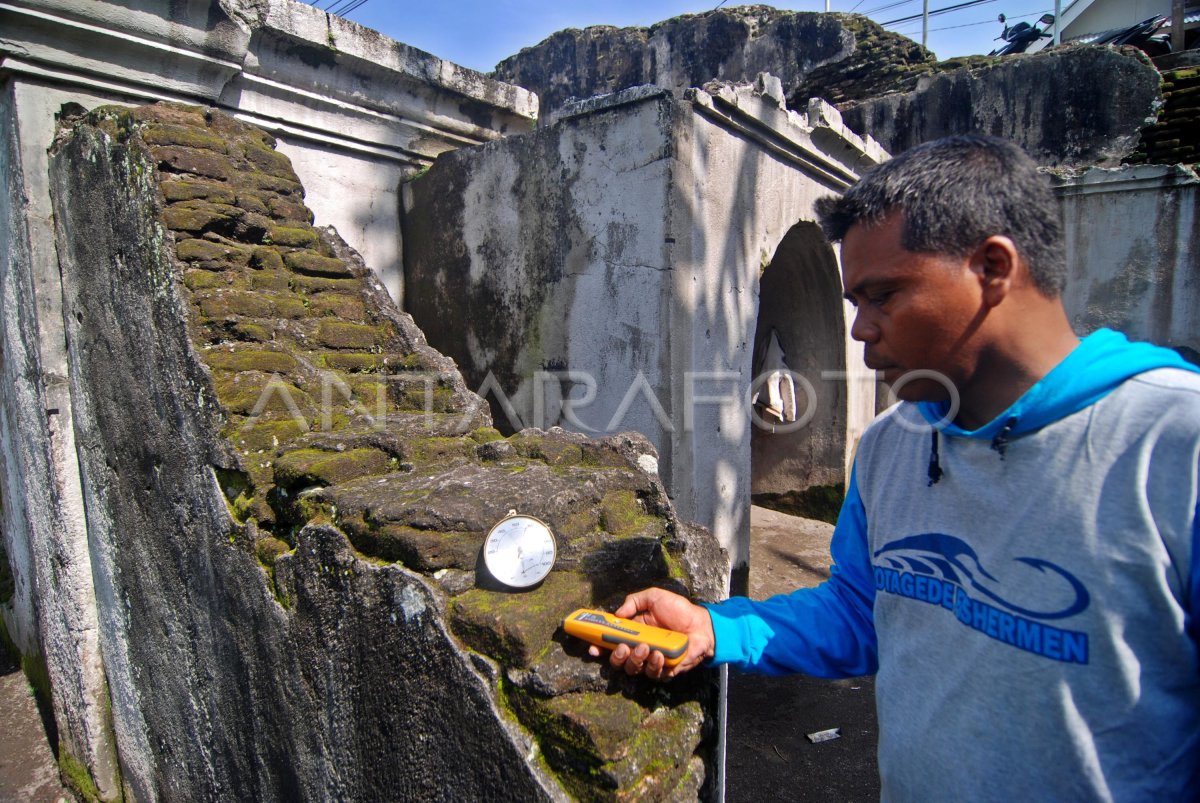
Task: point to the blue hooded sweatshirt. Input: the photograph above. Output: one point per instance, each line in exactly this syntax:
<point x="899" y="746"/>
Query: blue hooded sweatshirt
<point x="1026" y="592"/>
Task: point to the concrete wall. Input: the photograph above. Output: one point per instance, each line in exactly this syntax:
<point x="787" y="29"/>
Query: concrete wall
<point x="354" y="110"/>
<point x="619" y="251"/>
<point x="1133" y="247"/>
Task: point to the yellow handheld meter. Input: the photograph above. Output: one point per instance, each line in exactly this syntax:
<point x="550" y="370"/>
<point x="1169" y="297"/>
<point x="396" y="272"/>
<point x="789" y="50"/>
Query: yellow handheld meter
<point x="607" y="631"/>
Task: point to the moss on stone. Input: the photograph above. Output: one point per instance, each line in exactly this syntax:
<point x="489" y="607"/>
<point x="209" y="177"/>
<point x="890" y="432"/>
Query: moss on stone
<point x="250" y="360"/>
<point x="552" y="451"/>
<point x="186" y="135"/>
<point x="486" y="435"/>
<point x="256" y="393"/>
<point x="285" y="209"/>
<point x="293" y="236"/>
<point x="277" y="280"/>
<point x="264" y="257"/>
<point x="191" y="190"/>
<point x="252" y="202"/>
<point x="304" y="467"/>
<point x="76" y="776"/>
<point x="263" y="434"/>
<point x="340" y="305"/>
<point x="352" y="361"/>
<point x="270" y="183"/>
<point x="313" y="264"/>
<point x="346" y="335"/>
<point x="178" y="113"/>
<point x="269" y="548"/>
<point x="321" y="284"/>
<point x="271" y="162"/>
<point x="213" y="255"/>
<point x="206" y="164"/>
<point x="200" y="279"/>
<point x="201" y="216"/>
<point x="622" y="514"/>
<point x="440" y="451"/>
<point x="425" y="551"/>
<point x="579" y="524"/>
<point x="514" y="628"/>
<point x="227" y="303"/>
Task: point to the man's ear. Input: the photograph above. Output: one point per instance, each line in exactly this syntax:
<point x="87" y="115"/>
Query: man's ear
<point x="996" y="263"/>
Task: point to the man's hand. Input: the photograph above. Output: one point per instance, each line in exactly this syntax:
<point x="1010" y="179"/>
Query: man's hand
<point x="661" y="608"/>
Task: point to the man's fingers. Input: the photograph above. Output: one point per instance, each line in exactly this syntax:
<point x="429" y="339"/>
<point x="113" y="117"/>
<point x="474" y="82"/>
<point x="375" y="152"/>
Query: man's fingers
<point x="629" y="607"/>
<point x="636" y="661"/>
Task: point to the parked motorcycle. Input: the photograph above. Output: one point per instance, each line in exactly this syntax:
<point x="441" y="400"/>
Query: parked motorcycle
<point x="1020" y="36"/>
<point x="1147" y="35"/>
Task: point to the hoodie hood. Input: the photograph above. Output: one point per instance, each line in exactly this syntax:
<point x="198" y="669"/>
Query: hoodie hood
<point x="1097" y="366"/>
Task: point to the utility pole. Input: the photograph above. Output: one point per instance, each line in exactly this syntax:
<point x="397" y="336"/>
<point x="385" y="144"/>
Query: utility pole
<point x="1177" y="26"/>
<point x="826" y="6"/>
<point x="925" y="24"/>
<point x="1057" y="40"/>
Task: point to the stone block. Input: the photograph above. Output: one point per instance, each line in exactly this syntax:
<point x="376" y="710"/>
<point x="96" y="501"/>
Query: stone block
<point x="240" y="360"/>
<point x="514" y="627"/>
<point x="346" y="335"/>
<point x="293" y="236"/>
<point x="177" y="159"/>
<point x="184" y="189"/>
<point x="311" y="263"/>
<point x="304" y="467"/>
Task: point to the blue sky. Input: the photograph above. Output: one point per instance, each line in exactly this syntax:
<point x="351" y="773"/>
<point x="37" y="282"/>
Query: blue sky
<point x="480" y="33"/>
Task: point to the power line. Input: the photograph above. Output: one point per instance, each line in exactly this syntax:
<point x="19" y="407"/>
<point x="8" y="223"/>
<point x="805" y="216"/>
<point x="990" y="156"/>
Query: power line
<point x="888" y="6"/>
<point x="984" y="22"/>
<point x="936" y="12"/>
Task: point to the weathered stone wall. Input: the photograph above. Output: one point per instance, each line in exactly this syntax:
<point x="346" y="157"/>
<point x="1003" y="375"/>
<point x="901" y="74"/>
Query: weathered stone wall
<point x="1079" y="105"/>
<point x="286" y="492"/>
<point x="603" y="272"/>
<point x="1175" y="137"/>
<point x="354" y="110"/>
<point x="1133" y="251"/>
<point x="729" y="44"/>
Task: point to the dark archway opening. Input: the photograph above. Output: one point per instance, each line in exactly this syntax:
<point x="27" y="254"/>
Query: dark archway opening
<point x="801" y="469"/>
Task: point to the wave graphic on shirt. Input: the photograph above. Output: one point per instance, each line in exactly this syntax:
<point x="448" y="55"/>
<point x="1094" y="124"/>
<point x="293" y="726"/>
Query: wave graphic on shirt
<point x="938" y="554"/>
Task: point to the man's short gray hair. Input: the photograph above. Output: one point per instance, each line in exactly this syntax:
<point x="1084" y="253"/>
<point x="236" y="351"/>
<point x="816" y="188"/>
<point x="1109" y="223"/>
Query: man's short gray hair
<point x="954" y="193"/>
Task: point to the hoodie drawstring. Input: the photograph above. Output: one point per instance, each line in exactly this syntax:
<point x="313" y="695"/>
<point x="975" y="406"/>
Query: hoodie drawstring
<point x="1000" y="442"/>
<point x="935" y="466"/>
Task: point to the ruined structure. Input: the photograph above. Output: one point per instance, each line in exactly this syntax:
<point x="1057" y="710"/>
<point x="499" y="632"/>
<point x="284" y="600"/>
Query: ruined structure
<point x="286" y="492"/>
<point x="1058" y="105"/>
<point x="604" y="273"/>
<point x="831" y="56"/>
<point x="242" y="496"/>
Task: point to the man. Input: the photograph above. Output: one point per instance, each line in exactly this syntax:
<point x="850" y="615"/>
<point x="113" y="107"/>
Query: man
<point x="1015" y="557"/>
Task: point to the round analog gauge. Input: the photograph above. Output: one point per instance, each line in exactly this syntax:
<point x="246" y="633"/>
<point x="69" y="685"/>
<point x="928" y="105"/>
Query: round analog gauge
<point x="519" y="551"/>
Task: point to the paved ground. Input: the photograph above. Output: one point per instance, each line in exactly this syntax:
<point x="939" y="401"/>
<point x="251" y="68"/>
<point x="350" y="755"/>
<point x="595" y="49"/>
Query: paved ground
<point x="769" y="756"/>
<point x="28" y="773"/>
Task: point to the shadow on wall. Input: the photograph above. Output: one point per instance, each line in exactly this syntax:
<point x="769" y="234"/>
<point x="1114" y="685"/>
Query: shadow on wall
<point x="800" y="309"/>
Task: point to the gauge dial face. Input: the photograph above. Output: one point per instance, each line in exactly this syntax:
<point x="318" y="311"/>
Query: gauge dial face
<point x="519" y="551"/>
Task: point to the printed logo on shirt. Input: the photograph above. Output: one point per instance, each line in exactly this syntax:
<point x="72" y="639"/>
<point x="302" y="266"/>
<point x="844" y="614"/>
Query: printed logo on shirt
<point x="943" y="570"/>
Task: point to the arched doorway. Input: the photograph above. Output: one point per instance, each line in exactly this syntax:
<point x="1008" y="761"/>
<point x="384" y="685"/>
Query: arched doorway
<point x="801" y="309"/>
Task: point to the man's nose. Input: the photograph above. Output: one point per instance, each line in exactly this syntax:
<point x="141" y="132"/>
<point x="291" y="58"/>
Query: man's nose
<point x="863" y="329"/>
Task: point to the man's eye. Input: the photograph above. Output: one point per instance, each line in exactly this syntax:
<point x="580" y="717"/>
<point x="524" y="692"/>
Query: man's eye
<point x="880" y="298"/>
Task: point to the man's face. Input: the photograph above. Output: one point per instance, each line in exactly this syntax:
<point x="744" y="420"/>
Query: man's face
<point x="914" y="311"/>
